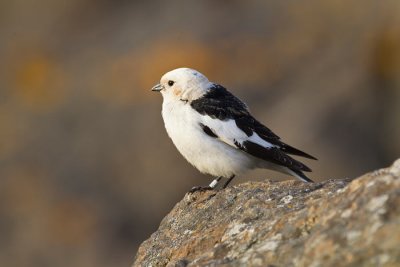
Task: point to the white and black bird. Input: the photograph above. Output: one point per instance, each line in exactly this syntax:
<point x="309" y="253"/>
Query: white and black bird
<point x="216" y="133"/>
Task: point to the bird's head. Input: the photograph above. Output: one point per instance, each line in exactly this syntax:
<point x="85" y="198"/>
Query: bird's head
<point x="184" y="84"/>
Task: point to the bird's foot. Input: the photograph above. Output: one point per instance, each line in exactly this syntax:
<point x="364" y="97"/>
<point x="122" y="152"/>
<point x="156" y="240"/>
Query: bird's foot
<point x="200" y="188"/>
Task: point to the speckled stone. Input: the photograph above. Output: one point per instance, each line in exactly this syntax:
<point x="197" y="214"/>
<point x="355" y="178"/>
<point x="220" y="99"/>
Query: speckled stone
<point x="289" y="223"/>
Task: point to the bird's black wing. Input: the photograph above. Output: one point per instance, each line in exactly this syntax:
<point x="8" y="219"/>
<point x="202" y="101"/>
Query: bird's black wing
<point x="272" y="154"/>
<point x="249" y="125"/>
<point x="221" y="104"/>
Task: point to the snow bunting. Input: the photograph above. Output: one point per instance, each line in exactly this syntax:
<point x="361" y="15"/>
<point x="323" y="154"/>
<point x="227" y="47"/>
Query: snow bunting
<point x="216" y="133"/>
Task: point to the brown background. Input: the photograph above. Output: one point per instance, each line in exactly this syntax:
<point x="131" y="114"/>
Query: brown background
<point x="86" y="168"/>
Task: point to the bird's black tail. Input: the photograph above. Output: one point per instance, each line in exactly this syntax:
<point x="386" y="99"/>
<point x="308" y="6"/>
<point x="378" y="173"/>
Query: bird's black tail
<point x="300" y="175"/>
<point x="294" y="151"/>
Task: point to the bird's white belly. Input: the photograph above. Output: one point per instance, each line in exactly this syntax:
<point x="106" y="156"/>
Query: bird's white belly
<point x="209" y="155"/>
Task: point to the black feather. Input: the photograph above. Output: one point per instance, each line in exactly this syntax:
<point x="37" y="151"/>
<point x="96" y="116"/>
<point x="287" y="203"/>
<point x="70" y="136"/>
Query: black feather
<point x="303" y="176"/>
<point x="208" y="131"/>
<point x="221" y="104"/>
<point x="274" y="155"/>
<point x="294" y="151"/>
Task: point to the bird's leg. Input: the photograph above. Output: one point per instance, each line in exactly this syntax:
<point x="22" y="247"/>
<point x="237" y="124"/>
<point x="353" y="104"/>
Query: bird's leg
<point x="227" y="182"/>
<point x="212" y="185"/>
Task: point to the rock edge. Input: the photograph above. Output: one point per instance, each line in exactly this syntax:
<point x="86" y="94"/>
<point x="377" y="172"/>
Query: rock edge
<point x="288" y="223"/>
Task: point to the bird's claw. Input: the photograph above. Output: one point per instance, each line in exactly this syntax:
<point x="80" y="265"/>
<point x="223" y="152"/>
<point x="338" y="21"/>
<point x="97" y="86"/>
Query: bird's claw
<point x="200" y="188"/>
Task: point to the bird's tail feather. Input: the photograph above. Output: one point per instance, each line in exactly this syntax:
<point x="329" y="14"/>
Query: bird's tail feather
<point x="300" y="175"/>
<point x="294" y="151"/>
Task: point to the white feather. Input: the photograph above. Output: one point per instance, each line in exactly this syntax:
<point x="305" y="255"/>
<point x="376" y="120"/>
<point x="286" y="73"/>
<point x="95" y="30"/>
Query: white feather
<point x="228" y="132"/>
<point x="255" y="138"/>
<point x="209" y="155"/>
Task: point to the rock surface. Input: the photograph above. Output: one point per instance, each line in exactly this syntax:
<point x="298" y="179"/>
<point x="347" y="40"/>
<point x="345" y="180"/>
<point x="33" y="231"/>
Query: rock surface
<point x="289" y="223"/>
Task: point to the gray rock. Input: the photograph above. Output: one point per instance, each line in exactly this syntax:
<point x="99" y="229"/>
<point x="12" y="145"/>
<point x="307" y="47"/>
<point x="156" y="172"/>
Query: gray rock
<point x="289" y="223"/>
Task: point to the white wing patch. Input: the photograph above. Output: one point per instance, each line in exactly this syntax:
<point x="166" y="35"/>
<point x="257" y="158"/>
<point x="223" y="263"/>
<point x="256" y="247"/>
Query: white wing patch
<point x="255" y="138"/>
<point x="228" y="132"/>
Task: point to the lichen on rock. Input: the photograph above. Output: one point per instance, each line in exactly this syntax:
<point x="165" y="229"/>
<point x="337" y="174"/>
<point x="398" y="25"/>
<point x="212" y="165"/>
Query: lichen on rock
<point x="288" y="223"/>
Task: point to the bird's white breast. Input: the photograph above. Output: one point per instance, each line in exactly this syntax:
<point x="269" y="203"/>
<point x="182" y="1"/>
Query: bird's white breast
<point x="209" y="155"/>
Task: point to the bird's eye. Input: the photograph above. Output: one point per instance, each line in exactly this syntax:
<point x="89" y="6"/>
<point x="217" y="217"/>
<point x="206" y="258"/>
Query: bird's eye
<point x="170" y="83"/>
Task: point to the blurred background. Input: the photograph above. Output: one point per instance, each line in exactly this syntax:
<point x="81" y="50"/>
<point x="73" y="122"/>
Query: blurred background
<point x="86" y="168"/>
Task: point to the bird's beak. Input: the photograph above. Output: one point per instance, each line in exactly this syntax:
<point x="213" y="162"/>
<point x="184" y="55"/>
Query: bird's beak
<point x="157" y="88"/>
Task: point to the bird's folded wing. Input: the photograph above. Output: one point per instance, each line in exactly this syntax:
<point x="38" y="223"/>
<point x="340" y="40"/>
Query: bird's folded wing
<point x="220" y="104"/>
<point x="228" y="132"/>
<point x="272" y="154"/>
<point x="250" y="126"/>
